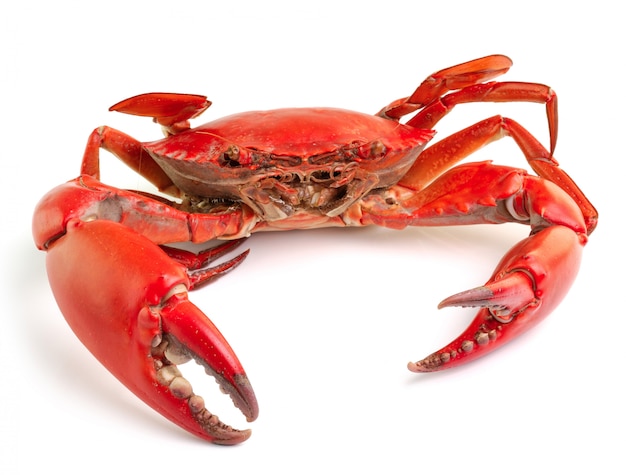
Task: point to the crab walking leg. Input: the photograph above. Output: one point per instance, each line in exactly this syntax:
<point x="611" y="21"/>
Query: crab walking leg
<point x="547" y="168"/>
<point x="449" y="79"/>
<point x="128" y="150"/>
<point x="531" y="279"/>
<point x="467" y="81"/>
<point x="196" y="264"/>
<point x="430" y="115"/>
<point x="134" y="317"/>
<point x="171" y="111"/>
<point x="438" y="158"/>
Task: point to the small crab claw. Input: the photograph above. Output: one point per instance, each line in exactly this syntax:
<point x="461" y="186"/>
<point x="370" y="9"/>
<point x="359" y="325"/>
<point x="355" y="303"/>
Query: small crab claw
<point x="126" y="300"/>
<point x="530" y="281"/>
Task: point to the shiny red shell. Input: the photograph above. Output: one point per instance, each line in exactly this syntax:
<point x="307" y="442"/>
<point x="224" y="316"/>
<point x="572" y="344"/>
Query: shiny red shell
<point x="293" y="155"/>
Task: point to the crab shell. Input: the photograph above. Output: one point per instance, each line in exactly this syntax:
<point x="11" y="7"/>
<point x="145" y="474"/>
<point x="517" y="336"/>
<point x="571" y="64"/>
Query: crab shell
<point x="290" y="160"/>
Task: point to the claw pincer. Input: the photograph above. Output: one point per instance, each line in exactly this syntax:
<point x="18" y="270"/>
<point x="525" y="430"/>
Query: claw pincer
<point x="126" y="300"/>
<point x="522" y="291"/>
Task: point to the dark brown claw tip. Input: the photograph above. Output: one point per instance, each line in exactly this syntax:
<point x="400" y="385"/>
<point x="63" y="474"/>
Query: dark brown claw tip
<point x="504" y="297"/>
<point x="243" y="398"/>
<point x="219" y="432"/>
<point x="477" y="297"/>
<point x="242" y="395"/>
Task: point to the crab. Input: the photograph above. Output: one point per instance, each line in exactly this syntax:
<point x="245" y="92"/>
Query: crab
<point x="123" y="288"/>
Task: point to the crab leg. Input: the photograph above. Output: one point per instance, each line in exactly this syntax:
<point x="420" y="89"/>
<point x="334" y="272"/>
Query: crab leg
<point x="449" y="79"/>
<point x="430" y="115"/>
<point x="171" y="110"/>
<point x="128" y="150"/>
<point x="125" y="294"/>
<point x="433" y="101"/>
<point x="467" y="82"/>
<point x="196" y="264"/>
<point x="438" y="158"/>
<point x="134" y="316"/>
<point x="531" y="279"/>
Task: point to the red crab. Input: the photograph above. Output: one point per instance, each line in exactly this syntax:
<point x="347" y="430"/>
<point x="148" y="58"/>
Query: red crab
<point x="124" y="291"/>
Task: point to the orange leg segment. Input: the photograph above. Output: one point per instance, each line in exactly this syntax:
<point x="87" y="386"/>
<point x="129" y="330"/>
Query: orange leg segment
<point x="534" y="275"/>
<point x="128" y="150"/>
<point x="530" y="281"/>
<point x="456" y="77"/>
<point x="196" y="264"/>
<point x="438" y="158"/>
<point x="171" y="111"/>
<point x="428" y="117"/>
<point x="134" y="316"/>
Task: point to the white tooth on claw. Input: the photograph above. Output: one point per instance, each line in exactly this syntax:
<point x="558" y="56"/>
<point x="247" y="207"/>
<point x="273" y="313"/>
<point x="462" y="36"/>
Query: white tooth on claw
<point x="167" y="374"/>
<point x="171" y="377"/>
<point x="196" y="404"/>
<point x="181" y="388"/>
<point x="167" y="353"/>
<point x="156" y="341"/>
<point x="177" y="354"/>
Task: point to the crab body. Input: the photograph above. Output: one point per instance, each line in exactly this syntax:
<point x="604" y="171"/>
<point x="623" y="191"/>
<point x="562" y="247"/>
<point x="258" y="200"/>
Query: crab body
<point x="289" y="162"/>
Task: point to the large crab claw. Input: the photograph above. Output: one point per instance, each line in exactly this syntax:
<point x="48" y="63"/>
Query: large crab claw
<point x="530" y="281"/>
<point x="527" y="285"/>
<point x="126" y="300"/>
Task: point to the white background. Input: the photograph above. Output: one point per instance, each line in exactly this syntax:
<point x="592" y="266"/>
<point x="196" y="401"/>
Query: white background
<point x="324" y="321"/>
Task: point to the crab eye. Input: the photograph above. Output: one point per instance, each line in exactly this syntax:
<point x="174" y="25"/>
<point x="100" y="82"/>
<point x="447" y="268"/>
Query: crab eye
<point x="372" y="151"/>
<point x="230" y="158"/>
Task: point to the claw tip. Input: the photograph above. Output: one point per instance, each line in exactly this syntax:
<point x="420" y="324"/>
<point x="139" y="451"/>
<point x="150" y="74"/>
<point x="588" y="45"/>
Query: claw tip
<point x="234" y="438"/>
<point x="413" y="367"/>
<point x="479" y="296"/>
<point x="429" y="364"/>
